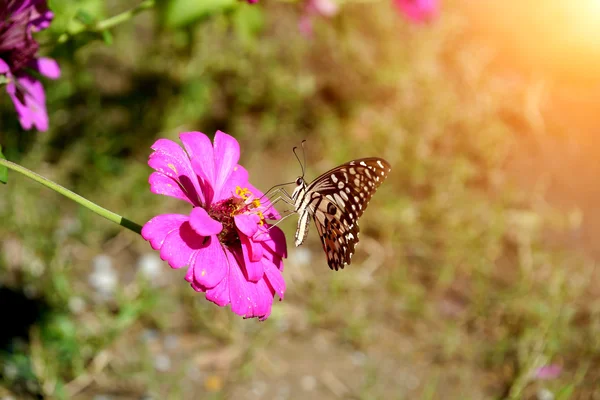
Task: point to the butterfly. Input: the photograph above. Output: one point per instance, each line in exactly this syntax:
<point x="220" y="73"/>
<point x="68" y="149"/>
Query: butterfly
<point x="335" y="201"/>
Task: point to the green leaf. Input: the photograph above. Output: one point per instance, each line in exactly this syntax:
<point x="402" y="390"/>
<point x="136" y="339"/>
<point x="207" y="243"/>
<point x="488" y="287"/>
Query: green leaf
<point x="3" y="169"/>
<point x="181" y="13"/>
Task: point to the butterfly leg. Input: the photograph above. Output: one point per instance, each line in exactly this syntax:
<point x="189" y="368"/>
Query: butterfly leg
<point x="289" y="213"/>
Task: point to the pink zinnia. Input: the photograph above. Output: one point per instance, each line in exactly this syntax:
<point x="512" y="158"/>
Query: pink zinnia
<point x="418" y="10"/>
<point x="232" y="253"/>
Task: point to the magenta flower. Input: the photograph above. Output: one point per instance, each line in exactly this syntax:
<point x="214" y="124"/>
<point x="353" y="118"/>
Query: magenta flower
<point x="418" y="10"/>
<point x="316" y="8"/>
<point x="18" y="50"/>
<point x="232" y="254"/>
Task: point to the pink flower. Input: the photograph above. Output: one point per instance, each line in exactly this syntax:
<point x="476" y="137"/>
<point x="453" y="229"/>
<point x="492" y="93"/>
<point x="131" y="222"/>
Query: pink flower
<point x="232" y="254"/>
<point x="18" y="57"/>
<point x="548" y="372"/>
<point x="315" y="8"/>
<point x="418" y="10"/>
<point x="27" y="93"/>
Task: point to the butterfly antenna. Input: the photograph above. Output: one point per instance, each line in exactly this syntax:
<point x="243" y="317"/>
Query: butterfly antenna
<point x="298" y="158"/>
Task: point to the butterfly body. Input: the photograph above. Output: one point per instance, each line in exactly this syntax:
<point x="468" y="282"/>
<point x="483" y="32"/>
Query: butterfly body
<point x="335" y="201"/>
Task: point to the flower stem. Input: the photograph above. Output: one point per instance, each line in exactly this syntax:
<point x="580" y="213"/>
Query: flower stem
<point x="109" y="215"/>
<point x="108" y="23"/>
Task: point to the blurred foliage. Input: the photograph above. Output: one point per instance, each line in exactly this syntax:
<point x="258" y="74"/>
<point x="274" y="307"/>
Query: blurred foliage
<point x="455" y="288"/>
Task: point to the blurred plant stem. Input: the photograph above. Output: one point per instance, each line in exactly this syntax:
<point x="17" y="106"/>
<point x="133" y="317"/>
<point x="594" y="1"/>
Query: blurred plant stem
<point x="111" y="216"/>
<point x="101" y="26"/>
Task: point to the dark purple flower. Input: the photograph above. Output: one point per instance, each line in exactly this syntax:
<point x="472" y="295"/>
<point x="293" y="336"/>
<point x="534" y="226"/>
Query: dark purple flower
<point x="18" y="57"/>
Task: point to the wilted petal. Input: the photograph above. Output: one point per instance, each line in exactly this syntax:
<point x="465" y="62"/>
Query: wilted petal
<point x="203" y="224"/>
<point x="210" y="264"/>
<point x="170" y="159"/>
<point x="179" y="246"/>
<point x="156" y="230"/>
<point x="227" y="154"/>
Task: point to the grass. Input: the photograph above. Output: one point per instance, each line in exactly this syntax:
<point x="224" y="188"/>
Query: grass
<point x="457" y="290"/>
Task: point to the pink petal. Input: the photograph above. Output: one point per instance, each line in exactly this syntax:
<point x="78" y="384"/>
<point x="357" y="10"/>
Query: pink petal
<point x="247" y="298"/>
<point x="162" y="184"/>
<point x="264" y="300"/>
<point x="47" y="67"/>
<point x="247" y="223"/>
<point x="275" y="278"/>
<point x="203" y="224"/>
<point x="180" y="245"/>
<point x="326" y="8"/>
<point x="210" y="264"/>
<point x="238" y="177"/>
<point x="252" y="255"/>
<point x="220" y="294"/>
<point x="4" y="68"/>
<point x="170" y="160"/>
<point x="274" y="240"/>
<point x="548" y="372"/>
<point x="156" y="230"/>
<point x="305" y="25"/>
<point x="200" y="150"/>
<point x="418" y="10"/>
<point x="29" y="99"/>
<point x="227" y="154"/>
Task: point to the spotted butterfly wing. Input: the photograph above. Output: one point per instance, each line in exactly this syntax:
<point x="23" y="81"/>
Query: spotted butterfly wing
<point x="335" y="201"/>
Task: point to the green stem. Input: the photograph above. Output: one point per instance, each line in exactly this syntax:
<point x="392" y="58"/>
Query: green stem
<point x="109" y="215"/>
<point x="109" y="22"/>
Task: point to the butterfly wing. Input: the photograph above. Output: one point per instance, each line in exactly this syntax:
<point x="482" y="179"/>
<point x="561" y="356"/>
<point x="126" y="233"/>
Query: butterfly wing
<point x="336" y="200"/>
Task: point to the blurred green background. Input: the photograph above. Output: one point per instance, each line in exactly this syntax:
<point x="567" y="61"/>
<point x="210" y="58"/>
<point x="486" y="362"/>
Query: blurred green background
<point x="477" y="263"/>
